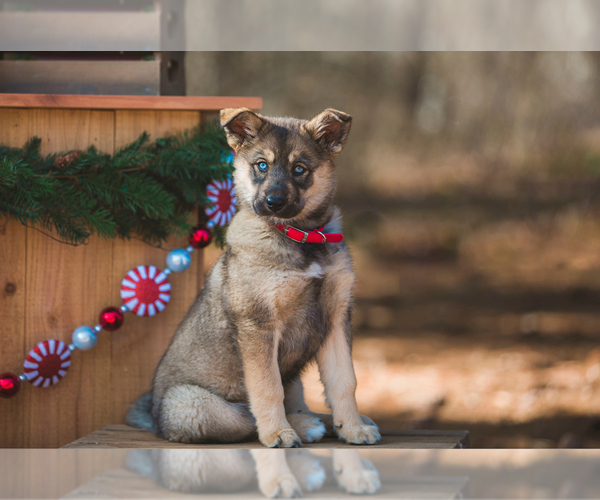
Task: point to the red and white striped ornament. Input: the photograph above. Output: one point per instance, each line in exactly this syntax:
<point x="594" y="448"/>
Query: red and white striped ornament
<point x="146" y="290"/>
<point x="221" y="194"/>
<point x="47" y="363"/>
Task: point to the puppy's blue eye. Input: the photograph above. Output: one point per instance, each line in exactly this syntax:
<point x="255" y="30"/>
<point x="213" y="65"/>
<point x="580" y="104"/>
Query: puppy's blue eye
<point x="262" y="166"/>
<point x="299" y="170"/>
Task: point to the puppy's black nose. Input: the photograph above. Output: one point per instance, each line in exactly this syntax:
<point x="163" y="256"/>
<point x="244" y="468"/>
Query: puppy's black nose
<point x="275" y="203"/>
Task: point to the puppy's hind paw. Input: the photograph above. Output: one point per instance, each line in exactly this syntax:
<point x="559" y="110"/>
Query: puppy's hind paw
<point x="307" y="468"/>
<point x="284" y="486"/>
<point x="368" y="421"/>
<point x="309" y="427"/>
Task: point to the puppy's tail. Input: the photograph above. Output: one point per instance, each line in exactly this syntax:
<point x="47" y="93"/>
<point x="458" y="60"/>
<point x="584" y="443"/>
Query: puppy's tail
<point x="140" y="461"/>
<point x="140" y="413"/>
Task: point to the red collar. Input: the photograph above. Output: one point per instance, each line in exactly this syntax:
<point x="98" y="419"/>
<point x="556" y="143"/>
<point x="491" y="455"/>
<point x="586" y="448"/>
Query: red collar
<point x="314" y="236"/>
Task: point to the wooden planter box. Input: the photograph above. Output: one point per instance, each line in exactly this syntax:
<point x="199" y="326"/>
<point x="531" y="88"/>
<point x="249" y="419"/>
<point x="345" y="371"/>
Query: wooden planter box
<point x="47" y="289"/>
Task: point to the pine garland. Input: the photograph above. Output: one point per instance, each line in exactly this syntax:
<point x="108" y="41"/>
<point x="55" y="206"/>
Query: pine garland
<point x="146" y="189"/>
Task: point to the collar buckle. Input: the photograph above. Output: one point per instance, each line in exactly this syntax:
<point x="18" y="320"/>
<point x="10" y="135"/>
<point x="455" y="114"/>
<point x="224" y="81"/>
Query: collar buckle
<point x="304" y="237"/>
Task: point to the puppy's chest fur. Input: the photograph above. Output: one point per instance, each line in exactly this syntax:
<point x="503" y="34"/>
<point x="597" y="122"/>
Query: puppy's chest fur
<point x="293" y="302"/>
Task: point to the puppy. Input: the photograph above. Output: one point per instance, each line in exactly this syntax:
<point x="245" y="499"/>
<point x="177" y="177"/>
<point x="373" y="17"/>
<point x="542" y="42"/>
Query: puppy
<point x="279" y="474"/>
<point x="277" y="299"/>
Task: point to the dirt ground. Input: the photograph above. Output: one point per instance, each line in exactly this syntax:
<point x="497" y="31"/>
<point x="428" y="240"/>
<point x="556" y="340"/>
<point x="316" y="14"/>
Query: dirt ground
<point x="508" y="395"/>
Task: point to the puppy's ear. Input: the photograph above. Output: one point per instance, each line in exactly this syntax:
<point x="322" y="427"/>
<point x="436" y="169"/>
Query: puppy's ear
<point x="240" y="125"/>
<point x="330" y="129"/>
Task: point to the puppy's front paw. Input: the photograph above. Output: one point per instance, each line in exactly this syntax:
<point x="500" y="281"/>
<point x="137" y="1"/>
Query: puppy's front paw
<point x="283" y="438"/>
<point x="309" y="427"/>
<point x="283" y="486"/>
<point x="359" y="434"/>
<point x="360" y="481"/>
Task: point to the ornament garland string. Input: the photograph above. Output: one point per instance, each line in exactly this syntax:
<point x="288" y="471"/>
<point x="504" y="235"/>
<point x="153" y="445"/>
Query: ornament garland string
<point x="145" y="291"/>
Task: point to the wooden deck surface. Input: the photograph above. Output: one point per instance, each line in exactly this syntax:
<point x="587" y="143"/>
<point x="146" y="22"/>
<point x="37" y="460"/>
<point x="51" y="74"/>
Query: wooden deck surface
<point x="124" y="436"/>
<point x="121" y="483"/>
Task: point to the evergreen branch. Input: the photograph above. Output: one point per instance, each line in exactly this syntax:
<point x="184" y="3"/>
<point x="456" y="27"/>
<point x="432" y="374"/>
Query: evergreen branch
<point x="145" y="189"/>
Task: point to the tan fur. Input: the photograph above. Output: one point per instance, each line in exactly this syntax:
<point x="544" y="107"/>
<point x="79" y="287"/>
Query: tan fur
<point x="265" y="392"/>
<point x="270" y="305"/>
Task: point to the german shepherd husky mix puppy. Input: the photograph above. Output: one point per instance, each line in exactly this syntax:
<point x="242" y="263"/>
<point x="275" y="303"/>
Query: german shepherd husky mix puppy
<point x="277" y="299"/>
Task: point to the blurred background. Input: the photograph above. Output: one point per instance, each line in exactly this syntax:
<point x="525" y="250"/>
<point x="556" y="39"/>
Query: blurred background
<point x="468" y="184"/>
<point x="469" y="187"/>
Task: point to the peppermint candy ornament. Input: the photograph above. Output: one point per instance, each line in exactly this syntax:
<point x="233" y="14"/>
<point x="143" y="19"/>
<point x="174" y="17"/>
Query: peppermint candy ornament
<point x="47" y="363"/>
<point x="221" y="194"/>
<point x="146" y="290"/>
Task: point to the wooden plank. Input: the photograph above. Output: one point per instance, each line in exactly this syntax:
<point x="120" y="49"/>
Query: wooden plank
<point x="52" y="473"/>
<point x="13" y="276"/>
<point x="124" y="436"/>
<point x="66" y="287"/>
<point x="147" y="338"/>
<point x="67" y="129"/>
<point x="126" y="102"/>
<point x="122" y="483"/>
<point x="81" y="77"/>
<point x="13" y="272"/>
<point x="210" y="117"/>
<point x="14" y="473"/>
<point x="71" y="30"/>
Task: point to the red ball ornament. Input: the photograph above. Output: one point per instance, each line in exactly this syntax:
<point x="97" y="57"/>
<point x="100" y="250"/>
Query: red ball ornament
<point x="9" y="385"/>
<point x="111" y="319"/>
<point x="201" y="237"/>
<point x="146" y="291"/>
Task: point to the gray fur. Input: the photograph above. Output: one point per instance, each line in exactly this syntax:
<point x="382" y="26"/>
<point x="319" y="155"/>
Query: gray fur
<point x="140" y="413"/>
<point x="140" y="461"/>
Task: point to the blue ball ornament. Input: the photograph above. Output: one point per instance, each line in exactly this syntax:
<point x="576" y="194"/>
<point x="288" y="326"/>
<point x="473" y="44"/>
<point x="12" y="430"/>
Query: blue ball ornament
<point x="84" y="338"/>
<point x="179" y="260"/>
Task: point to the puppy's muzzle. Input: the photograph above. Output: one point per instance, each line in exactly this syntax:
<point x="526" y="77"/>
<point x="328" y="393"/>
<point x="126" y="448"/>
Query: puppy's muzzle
<point x="275" y="203"/>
